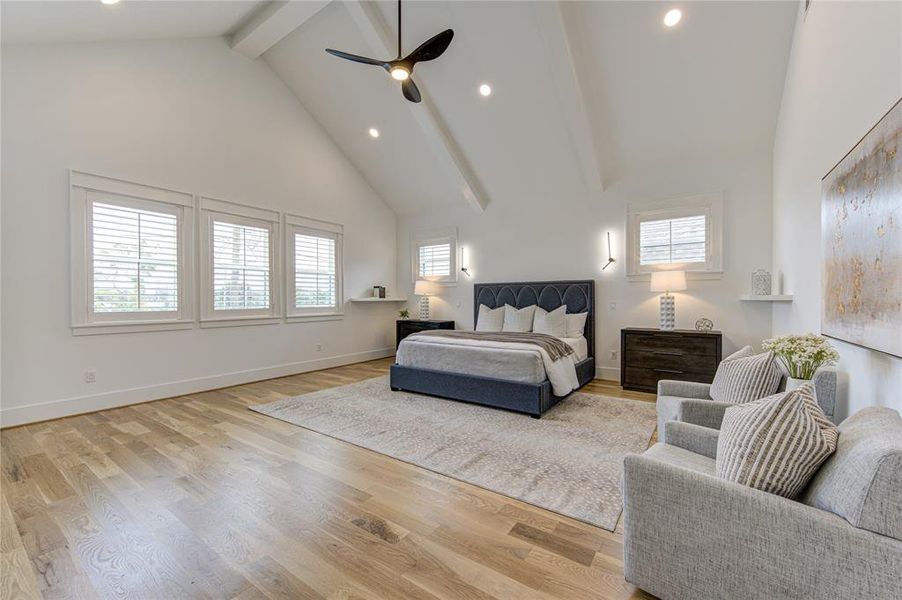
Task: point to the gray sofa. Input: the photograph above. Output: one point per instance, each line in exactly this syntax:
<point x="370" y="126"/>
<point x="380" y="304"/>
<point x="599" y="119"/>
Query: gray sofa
<point x="689" y="534"/>
<point x="691" y="402"/>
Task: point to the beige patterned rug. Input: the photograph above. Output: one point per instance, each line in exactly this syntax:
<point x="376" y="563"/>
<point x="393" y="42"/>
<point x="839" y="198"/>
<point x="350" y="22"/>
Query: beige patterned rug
<point x="570" y="461"/>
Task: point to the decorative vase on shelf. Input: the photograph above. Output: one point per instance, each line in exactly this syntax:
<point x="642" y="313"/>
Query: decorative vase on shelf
<point x="761" y="283"/>
<point x="793" y="383"/>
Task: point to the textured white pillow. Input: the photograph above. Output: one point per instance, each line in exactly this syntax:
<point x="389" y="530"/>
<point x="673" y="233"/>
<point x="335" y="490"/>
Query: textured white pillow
<point x="551" y="323"/>
<point x="490" y="319"/>
<point x="576" y="324"/>
<point x="518" y="320"/>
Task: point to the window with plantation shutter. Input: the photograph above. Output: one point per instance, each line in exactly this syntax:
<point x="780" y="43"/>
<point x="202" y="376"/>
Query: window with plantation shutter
<point x="684" y="232"/>
<point x="313" y="250"/>
<point x="239" y="264"/>
<point x="435" y="258"/>
<point x="130" y="257"/>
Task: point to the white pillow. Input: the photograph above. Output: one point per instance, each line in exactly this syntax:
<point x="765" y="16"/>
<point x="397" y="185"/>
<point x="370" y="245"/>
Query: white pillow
<point x="490" y="319"/>
<point x="551" y="323"/>
<point x="576" y="324"/>
<point x="518" y="320"/>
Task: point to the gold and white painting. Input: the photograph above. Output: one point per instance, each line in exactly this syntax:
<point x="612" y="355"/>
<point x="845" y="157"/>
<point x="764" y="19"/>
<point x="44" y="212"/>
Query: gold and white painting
<point x="861" y="213"/>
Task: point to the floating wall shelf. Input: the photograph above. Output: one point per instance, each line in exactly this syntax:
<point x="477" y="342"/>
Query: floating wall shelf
<point x="771" y="298"/>
<point x="371" y="299"/>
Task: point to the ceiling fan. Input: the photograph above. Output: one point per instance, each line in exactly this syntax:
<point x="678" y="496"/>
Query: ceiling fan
<point x="402" y="68"/>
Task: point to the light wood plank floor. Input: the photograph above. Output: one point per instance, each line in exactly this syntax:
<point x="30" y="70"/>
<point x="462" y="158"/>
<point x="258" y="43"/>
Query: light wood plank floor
<point x="198" y="497"/>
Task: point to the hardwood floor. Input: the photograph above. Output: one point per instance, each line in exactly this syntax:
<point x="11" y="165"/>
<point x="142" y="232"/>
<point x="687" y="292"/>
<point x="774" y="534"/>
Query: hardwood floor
<point x="198" y="497"/>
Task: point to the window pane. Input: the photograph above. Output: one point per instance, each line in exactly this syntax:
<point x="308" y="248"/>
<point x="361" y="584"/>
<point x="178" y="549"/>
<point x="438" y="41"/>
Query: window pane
<point x="135" y="259"/>
<point x="434" y="260"/>
<point x="240" y="267"/>
<point x="673" y="241"/>
<point x="314" y="271"/>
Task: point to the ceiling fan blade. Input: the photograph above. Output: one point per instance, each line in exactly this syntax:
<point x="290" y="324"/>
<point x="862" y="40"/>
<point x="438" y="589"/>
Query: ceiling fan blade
<point x="431" y="48"/>
<point x="359" y="59"/>
<point x="410" y="90"/>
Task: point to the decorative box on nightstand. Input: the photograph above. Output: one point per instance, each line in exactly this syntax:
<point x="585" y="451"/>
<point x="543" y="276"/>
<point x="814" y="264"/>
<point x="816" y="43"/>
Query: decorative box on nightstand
<point x="649" y="355"/>
<point x="404" y="327"/>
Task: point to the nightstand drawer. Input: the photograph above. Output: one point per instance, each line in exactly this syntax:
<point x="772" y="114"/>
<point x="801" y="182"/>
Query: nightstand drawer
<point x="670" y="344"/>
<point x="688" y="363"/>
<point x="646" y="379"/>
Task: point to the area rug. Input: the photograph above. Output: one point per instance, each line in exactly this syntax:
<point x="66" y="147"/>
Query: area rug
<point x="570" y="461"/>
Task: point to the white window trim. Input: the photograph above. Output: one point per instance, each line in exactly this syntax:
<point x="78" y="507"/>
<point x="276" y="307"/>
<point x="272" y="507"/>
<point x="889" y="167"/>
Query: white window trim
<point x="209" y="209"/>
<point x="82" y="189"/>
<point x="708" y="204"/>
<point x="297" y="224"/>
<point x="429" y="238"/>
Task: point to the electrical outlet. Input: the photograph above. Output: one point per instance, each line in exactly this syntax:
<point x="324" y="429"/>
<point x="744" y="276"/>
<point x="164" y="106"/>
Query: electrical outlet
<point x="613" y="355"/>
<point x="612" y="306"/>
<point x="90" y="376"/>
<point x="319" y="347"/>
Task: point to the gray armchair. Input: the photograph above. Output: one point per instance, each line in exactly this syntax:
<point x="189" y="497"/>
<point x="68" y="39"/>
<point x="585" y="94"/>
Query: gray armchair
<point x="691" y="402"/>
<point x="689" y="534"/>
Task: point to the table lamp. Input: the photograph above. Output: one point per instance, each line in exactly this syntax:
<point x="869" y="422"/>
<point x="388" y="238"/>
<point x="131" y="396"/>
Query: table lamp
<point x="668" y="281"/>
<point x="423" y="289"/>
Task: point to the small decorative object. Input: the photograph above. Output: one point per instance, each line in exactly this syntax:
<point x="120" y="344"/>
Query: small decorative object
<point x="761" y="283"/>
<point x="404" y="313"/>
<point x="610" y="256"/>
<point x="378" y="291"/>
<point x="704" y="324"/>
<point x="802" y="355"/>
<point x="668" y="281"/>
<point x="862" y="241"/>
<point x="423" y="289"/>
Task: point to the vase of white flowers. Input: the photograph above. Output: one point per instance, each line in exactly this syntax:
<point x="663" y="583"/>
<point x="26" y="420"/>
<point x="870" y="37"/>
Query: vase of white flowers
<point x="801" y="355"/>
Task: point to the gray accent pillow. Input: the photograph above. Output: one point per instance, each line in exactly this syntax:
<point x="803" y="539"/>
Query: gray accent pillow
<point x="742" y="378"/>
<point x="775" y="444"/>
<point x="862" y="481"/>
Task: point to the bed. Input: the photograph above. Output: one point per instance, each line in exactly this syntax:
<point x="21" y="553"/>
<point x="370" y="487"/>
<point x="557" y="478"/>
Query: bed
<point x="509" y="378"/>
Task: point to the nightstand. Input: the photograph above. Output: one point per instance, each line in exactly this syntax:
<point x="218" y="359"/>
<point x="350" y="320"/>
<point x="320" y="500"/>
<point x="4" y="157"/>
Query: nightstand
<point x="404" y="327"/>
<point x="649" y="355"/>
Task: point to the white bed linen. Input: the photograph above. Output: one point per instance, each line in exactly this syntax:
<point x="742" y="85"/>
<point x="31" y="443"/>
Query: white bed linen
<point x="561" y="373"/>
<point x="580" y="346"/>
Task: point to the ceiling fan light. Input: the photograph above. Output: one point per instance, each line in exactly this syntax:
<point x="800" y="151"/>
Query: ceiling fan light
<point x="399" y="73"/>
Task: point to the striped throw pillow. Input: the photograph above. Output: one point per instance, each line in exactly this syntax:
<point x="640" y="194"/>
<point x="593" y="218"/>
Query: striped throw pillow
<point x="741" y="378"/>
<point x="775" y="444"/>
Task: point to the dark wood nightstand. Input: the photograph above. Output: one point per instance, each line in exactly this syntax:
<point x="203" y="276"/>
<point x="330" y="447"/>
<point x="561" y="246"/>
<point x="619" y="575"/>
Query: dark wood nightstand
<point x="649" y="355"/>
<point x="404" y="327"/>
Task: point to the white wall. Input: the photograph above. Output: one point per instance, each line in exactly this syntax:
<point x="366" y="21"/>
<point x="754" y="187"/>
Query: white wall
<point x="845" y="72"/>
<point x="536" y="237"/>
<point x="190" y="115"/>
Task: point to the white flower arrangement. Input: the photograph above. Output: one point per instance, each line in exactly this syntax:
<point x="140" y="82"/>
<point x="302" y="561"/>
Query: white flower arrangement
<point x="802" y="355"/>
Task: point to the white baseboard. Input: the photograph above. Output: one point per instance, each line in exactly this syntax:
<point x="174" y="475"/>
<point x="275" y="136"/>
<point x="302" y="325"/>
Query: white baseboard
<point x="22" y="415"/>
<point x="609" y="373"/>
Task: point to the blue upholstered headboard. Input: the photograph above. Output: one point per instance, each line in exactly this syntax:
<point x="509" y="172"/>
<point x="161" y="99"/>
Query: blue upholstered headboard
<point x="579" y="296"/>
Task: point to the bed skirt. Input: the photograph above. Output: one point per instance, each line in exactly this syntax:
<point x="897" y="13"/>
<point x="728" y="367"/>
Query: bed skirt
<point x="528" y="398"/>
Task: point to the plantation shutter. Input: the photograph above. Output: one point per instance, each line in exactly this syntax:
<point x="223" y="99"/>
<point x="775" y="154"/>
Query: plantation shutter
<point x="314" y="271"/>
<point x="241" y="267"/>
<point x="434" y="260"/>
<point x="134" y="259"/>
<point x="677" y="241"/>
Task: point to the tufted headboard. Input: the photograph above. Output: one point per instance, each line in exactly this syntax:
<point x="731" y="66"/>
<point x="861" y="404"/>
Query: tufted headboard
<point x="579" y="296"/>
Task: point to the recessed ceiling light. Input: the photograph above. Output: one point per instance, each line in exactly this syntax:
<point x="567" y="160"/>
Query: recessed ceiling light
<point x="374" y="133"/>
<point x="673" y="17"/>
<point x="485" y="89"/>
<point x="110" y="2"/>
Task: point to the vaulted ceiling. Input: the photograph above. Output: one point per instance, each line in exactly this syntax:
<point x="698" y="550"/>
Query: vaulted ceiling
<point x="583" y="92"/>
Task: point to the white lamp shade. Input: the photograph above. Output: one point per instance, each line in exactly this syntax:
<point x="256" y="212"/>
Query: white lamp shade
<point x="423" y="288"/>
<point x="668" y="281"/>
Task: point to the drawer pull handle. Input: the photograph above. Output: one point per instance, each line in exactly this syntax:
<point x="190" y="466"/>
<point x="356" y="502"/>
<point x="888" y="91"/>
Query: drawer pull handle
<point x="667" y="371"/>
<point x="677" y="353"/>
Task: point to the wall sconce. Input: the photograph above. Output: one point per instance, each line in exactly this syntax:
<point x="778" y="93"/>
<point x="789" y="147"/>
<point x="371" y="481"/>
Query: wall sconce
<point x="464" y="262"/>
<point x="610" y="256"/>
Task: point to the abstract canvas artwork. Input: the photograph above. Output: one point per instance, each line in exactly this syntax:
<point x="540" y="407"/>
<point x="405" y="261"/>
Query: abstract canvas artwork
<point x="861" y="214"/>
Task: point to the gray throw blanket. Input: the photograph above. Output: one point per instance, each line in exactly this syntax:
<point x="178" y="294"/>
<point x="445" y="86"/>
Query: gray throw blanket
<point x="555" y="348"/>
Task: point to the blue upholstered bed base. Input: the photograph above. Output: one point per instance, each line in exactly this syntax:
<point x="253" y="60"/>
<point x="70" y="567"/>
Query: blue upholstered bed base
<point x="530" y="398"/>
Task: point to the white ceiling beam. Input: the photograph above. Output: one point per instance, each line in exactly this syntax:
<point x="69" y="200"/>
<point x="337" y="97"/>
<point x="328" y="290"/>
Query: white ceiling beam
<point x="272" y="23"/>
<point x="446" y="149"/>
<point x="562" y="49"/>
